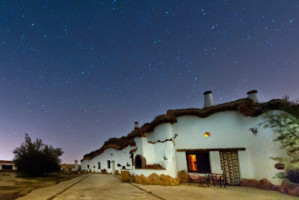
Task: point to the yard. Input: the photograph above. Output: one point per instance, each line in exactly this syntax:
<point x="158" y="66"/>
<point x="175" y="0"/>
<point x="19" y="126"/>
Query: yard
<point x="13" y="186"/>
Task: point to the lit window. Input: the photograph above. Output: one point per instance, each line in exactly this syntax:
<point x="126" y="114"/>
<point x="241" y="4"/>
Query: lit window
<point x="198" y="162"/>
<point x="207" y="134"/>
<point x="192" y="162"/>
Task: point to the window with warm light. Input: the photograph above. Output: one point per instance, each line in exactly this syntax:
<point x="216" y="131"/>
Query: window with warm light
<point x="192" y="162"/>
<point x="198" y="162"/>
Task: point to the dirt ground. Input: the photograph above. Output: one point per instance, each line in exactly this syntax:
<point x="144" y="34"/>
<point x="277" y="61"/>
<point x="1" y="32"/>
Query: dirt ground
<point x="98" y="186"/>
<point x="190" y="192"/>
<point x="92" y="186"/>
<point x="13" y="186"/>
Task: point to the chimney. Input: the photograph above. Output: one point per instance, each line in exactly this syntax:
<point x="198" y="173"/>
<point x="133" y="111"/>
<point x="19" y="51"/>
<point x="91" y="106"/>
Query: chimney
<point x="208" y="99"/>
<point x="76" y="166"/>
<point x="252" y="94"/>
<point x="136" y="125"/>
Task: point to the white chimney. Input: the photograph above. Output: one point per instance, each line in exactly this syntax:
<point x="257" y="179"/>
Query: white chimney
<point x="208" y="99"/>
<point x="136" y="125"/>
<point x="76" y="166"/>
<point x="252" y="94"/>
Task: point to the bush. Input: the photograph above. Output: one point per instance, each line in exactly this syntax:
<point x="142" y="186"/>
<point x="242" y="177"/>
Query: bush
<point x="293" y="175"/>
<point x="36" y="158"/>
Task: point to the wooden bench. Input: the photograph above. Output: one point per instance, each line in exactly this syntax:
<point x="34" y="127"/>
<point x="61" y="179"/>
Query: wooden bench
<point x="199" y="178"/>
<point x="218" y="178"/>
<point x="206" y="178"/>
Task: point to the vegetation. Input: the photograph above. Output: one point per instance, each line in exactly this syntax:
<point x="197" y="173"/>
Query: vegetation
<point x="13" y="186"/>
<point x="286" y="127"/>
<point x="36" y="158"/>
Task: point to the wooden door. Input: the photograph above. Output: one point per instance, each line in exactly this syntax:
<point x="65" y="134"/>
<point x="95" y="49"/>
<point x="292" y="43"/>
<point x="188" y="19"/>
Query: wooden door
<point x="230" y="166"/>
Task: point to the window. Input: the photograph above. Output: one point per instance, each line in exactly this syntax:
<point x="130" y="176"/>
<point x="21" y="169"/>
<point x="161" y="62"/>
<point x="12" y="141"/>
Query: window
<point x="99" y="165"/>
<point x="109" y="164"/>
<point x="88" y="166"/>
<point x="6" y="167"/>
<point x="198" y="162"/>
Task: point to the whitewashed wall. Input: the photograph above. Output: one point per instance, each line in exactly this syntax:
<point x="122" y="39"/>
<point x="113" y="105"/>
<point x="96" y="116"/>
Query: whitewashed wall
<point x="157" y="153"/>
<point x="118" y="156"/>
<point x="230" y="129"/>
<point x="84" y="164"/>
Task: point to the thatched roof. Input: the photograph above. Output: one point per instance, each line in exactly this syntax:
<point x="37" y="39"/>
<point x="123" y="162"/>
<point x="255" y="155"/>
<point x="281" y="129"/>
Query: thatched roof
<point x="6" y="162"/>
<point x="115" y="143"/>
<point x="245" y="106"/>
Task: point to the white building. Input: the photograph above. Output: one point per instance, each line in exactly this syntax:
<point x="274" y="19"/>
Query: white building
<point x="225" y="138"/>
<point x="7" y="165"/>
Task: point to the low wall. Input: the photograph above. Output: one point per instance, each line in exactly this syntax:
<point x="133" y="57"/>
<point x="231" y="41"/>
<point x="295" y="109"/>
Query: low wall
<point x="155" y="179"/>
<point x="148" y="172"/>
<point x="285" y="187"/>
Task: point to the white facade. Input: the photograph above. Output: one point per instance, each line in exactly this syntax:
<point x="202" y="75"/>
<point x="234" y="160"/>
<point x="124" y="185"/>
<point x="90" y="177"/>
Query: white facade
<point x="118" y="159"/>
<point x="7" y="165"/>
<point x="168" y="145"/>
<point x="230" y="129"/>
<point x="157" y="150"/>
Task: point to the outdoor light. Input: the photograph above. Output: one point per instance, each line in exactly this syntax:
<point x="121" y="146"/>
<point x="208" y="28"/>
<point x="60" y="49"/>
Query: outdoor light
<point x="207" y="134"/>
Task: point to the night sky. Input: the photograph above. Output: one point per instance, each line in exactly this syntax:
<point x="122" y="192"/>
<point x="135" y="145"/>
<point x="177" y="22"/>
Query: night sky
<point x="75" y="73"/>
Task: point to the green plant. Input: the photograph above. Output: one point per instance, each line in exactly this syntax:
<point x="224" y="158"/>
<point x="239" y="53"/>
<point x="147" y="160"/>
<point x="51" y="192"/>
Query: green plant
<point x="293" y="175"/>
<point x="285" y="125"/>
<point x="36" y="158"/>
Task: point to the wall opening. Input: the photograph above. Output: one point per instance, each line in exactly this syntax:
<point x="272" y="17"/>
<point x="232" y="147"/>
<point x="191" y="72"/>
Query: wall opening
<point x="108" y="164"/>
<point x="198" y="162"/>
<point x="7" y="167"/>
<point x="140" y="162"/>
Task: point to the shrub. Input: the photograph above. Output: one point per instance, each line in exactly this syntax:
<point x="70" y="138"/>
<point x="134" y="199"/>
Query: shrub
<point x="293" y="175"/>
<point x="36" y="158"/>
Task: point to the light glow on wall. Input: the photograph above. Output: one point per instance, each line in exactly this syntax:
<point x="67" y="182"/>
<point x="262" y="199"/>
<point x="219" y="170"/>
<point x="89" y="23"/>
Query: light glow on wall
<point x="207" y="134"/>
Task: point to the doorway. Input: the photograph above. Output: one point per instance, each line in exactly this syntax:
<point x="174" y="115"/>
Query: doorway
<point x="140" y="162"/>
<point x="230" y="166"/>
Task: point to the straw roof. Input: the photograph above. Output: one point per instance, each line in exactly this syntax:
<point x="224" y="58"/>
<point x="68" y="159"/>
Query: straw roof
<point x="6" y="162"/>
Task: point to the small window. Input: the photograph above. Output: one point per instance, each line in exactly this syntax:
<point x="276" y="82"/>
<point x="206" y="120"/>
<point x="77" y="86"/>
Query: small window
<point x="88" y="166"/>
<point x="109" y="164"/>
<point x="99" y="165"/>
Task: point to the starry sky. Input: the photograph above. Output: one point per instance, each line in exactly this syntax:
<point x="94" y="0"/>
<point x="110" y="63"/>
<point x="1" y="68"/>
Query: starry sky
<point x="75" y="73"/>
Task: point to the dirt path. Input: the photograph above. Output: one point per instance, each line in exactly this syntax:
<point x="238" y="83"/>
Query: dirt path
<point x="195" y="192"/>
<point x="47" y="193"/>
<point x="97" y="186"/>
<point x="104" y="187"/>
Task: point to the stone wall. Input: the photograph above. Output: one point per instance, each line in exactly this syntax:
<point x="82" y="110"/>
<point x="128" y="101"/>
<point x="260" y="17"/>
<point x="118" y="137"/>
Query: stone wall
<point x="155" y="179"/>
<point x="285" y="187"/>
